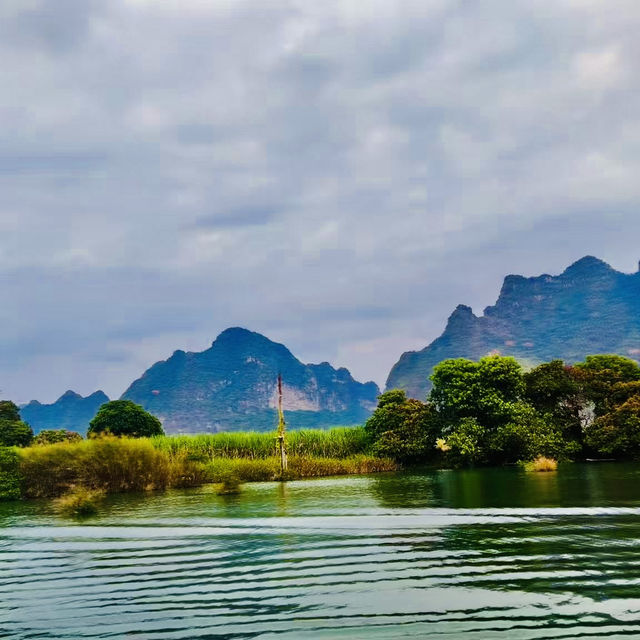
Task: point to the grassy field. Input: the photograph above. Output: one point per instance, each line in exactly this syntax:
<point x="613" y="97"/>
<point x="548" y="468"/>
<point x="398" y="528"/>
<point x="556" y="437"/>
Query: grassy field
<point x="114" y="465"/>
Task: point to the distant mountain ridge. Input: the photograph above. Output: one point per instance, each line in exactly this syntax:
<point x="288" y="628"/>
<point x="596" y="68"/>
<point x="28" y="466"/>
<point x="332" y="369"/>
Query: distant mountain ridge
<point x="70" y="411"/>
<point x="232" y="385"/>
<point x="589" y="308"/>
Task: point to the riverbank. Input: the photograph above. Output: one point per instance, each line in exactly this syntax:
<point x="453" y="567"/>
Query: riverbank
<point x="118" y="465"/>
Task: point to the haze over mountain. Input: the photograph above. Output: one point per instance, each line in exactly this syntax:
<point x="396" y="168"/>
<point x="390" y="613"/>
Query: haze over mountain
<point x="70" y="411"/>
<point x="232" y="385"/>
<point x="589" y="308"/>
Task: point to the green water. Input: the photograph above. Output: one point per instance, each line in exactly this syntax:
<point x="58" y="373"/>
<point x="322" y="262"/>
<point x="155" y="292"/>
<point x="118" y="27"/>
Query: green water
<point x="492" y="553"/>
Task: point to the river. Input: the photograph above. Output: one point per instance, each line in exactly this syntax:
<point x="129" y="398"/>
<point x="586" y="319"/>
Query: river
<point x="488" y="553"/>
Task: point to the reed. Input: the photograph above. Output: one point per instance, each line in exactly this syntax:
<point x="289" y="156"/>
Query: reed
<point x="339" y="442"/>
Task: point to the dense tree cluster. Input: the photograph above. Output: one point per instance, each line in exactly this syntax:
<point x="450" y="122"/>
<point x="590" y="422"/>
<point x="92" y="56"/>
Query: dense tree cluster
<point x="493" y="412"/>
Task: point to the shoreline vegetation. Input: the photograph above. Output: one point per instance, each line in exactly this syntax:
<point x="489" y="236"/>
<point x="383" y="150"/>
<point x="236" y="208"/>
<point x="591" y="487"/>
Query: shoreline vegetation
<point x="485" y="413"/>
<point x="120" y="464"/>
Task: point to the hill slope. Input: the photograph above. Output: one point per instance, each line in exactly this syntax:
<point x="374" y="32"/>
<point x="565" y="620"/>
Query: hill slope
<point x="589" y="308"/>
<point x="70" y="411"/>
<point x="232" y="385"/>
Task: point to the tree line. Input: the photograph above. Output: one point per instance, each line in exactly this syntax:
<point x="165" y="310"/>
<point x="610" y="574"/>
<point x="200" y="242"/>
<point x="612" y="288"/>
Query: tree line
<point x="494" y="412"/>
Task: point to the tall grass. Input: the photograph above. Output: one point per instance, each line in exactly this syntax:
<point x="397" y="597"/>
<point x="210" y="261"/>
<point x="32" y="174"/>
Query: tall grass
<point x="340" y="442"/>
<point x="115" y="465"/>
<point x="261" y="470"/>
<point x="112" y="464"/>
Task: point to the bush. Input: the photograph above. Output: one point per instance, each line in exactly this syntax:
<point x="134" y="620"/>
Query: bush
<point x="541" y="464"/>
<point x="80" y="502"/>
<point x="53" y="436"/>
<point x="124" y="418"/>
<point x="10" y="476"/>
<point x="113" y="464"/>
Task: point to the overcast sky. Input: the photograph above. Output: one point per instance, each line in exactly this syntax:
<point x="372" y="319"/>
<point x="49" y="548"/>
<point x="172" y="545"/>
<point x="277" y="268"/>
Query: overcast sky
<point x="337" y="175"/>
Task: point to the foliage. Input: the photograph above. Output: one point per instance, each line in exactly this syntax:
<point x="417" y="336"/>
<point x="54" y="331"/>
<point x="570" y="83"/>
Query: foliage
<point x="124" y="418"/>
<point x="402" y="429"/>
<point x="600" y="374"/>
<point x="53" y="436"/>
<point x="15" y="433"/>
<point x="485" y="390"/>
<point x="527" y="436"/>
<point x="79" y="502"/>
<point x="617" y="433"/>
<point x="10" y="475"/>
<point x="465" y="445"/>
<point x="9" y="411"/>
<point x="553" y="389"/>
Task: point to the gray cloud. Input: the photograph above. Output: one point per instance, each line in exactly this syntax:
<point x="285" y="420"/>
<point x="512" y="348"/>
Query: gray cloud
<point x="338" y="175"/>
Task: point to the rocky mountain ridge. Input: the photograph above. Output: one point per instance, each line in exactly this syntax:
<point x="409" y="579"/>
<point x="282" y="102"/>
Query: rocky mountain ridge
<point x="589" y="308"/>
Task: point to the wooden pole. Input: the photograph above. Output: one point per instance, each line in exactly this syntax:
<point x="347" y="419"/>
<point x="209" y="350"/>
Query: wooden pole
<point x="280" y="438"/>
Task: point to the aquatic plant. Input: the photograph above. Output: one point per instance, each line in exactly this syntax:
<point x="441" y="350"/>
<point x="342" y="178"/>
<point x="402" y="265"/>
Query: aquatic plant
<point x="230" y="483"/>
<point x="541" y="464"/>
<point x="79" y="502"/>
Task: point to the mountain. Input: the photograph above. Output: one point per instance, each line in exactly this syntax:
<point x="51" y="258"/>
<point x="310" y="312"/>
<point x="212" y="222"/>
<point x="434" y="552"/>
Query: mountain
<point x="232" y="386"/>
<point x="590" y="308"/>
<point x="70" y="411"/>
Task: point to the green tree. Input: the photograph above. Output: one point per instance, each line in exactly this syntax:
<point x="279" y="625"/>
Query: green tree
<point x="13" y="432"/>
<point x="525" y="437"/>
<point x="617" y="433"/>
<point x="401" y="428"/>
<point x="599" y="374"/>
<point x="485" y="390"/>
<point x="554" y="391"/>
<point x="124" y="418"/>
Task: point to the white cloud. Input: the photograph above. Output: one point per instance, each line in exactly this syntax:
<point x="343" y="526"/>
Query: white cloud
<point x="337" y="174"/>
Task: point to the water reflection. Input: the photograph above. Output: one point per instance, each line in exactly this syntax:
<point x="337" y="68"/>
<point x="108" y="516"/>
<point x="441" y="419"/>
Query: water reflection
<point x="492" y="553"/>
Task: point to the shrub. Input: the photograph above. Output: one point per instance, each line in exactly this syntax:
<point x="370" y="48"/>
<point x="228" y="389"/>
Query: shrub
<point x="52" y="436"/>
<point x="124" y="418"/>
<point x="541" y="464"/>
<point x="10" y="476"/>
<point x="113" y="464"/>
<point x="79" y="502"/>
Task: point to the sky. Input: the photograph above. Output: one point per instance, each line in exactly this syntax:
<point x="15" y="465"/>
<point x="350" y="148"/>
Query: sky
<point x="337" y="175"/>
